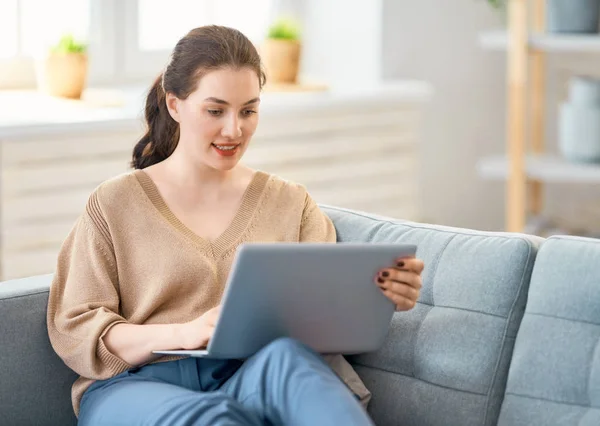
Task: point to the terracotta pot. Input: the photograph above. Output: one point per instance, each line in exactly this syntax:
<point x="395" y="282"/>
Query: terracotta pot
<point x="63" y="74"/>
<point x="281" y="59"/>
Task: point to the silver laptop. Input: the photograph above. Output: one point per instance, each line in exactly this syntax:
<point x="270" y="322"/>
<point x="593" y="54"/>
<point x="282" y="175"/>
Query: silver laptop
<point x="321" y="294"/>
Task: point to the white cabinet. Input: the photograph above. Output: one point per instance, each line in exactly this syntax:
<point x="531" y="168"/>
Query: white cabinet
<point x="359" y="155"/>
<point x="45" y="183"/>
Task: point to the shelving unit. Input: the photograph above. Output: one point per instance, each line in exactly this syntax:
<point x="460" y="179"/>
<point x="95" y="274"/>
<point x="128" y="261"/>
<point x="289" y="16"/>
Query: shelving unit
<point x="549" y="43"/>
<point x="525" y="165"/>
<point x="543" y="168"/>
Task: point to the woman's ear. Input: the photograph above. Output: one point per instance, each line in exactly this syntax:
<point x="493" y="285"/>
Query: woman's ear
<point x="173" y="106"/>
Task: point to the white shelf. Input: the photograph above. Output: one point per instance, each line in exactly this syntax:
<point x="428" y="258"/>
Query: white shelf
<point x="545" y="168"/>
<point x="498" y="40"/>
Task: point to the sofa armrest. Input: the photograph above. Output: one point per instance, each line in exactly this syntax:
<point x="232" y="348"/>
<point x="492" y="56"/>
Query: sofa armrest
<point x="35" y="385"/>
<point x="25" y="286"/>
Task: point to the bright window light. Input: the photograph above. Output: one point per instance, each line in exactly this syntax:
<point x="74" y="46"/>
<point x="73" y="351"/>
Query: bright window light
<point x="9" y="46"/>
<point x="130" y="39"/>
<point x="44" y="22"/>
<point x="250" y="17"/>
<point x="160" y="27"/>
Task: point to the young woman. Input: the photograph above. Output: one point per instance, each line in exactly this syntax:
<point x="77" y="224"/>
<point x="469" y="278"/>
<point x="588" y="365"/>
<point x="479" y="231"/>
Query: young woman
<point x="145" y="265"/>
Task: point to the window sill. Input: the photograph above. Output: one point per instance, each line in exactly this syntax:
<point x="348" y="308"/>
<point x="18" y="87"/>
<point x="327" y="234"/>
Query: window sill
<point x="28" y="113"/>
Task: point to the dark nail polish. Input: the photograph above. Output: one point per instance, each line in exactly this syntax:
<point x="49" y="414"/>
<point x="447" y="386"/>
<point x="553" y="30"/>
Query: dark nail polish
<point x="380" y="280"/>
<point x="385" y="274"/>
<point x="400" y="264"/>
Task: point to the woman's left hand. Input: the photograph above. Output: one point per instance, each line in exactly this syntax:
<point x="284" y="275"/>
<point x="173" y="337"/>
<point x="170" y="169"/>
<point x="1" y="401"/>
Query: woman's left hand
<point x="401" y="283"/>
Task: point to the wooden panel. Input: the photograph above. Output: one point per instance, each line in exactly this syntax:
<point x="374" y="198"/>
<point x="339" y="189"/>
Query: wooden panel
<point x="349" y="158"/>
<point x="263" y="155"/>
<point x="516" y="125"/>
<point x="63" y="149"/>
<point x="537" y="92"/>
<point x="36" y="236"/>
<point x="44" y="208"/>
<point x="340" y="121"/>
<point x="85" y="174"/>
<point x="343" y="173"/>
<point x="28" y="263"/>
<point x="365" y="195"/>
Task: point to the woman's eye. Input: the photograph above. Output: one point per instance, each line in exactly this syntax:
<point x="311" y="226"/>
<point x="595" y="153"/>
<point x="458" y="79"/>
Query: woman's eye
<point x="215" y="112"/>
<point x="248" y="112"/>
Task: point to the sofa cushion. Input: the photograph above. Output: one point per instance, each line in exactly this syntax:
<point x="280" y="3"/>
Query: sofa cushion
<point x="446" y="361"/>
<point x="554" y="378"/>
<point x="35" y="385"/>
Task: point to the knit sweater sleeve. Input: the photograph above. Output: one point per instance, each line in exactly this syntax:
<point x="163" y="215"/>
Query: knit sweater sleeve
<point x="316" y="226"/>
<point x="83" y="302"/>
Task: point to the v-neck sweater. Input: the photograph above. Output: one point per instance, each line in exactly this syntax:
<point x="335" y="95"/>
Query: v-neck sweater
<point x="129" y="259"/>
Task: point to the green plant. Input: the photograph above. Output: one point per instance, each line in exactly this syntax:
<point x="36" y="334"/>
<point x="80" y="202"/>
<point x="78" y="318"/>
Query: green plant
<point x="68" y="44"/>
<point x="284" y="29"/>
<point x="497" y="4"/>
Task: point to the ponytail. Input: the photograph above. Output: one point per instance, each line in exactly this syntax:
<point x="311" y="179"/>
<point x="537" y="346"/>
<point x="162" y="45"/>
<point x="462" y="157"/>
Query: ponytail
<point x="162" y="135"/>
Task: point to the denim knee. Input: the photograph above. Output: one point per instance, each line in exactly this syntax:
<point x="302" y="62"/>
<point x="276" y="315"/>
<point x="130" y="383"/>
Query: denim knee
<point x="286" y="345"/>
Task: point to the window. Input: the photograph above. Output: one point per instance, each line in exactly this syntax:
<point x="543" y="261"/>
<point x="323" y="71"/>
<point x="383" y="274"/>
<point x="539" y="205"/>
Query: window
<point x="42" y="23"/>
<point x="8" y="29"/>
<point x="160" y="28"/>
<point x="157" y="28"/>
<point x="129" y="39"/>
<point x="27" y="27"/>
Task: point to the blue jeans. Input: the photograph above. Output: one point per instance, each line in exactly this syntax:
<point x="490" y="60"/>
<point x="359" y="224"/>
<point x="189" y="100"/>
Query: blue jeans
<point x="285" y="383"/>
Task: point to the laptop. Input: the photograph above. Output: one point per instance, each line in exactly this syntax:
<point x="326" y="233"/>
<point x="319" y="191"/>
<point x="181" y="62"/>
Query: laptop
<point x="322" y="294"/>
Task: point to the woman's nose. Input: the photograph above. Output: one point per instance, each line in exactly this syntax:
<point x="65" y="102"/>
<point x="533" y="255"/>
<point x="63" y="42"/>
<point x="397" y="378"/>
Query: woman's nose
<point x="232" y="128"/>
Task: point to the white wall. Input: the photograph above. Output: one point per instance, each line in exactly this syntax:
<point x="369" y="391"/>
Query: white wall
<point x="341" y="40"/>
<point x="436" y="40"/>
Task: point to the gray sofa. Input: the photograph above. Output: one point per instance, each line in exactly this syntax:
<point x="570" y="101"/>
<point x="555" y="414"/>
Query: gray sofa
<point x="507" y="332"/>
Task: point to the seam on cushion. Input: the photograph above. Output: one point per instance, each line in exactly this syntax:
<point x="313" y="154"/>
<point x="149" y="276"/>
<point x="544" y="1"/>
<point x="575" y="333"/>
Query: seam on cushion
<point x="436" y="263"/>
<point x="376" y="230"/>
<point x="539" y="314"/>
<point x="465" y="309"/>
<point x="435" y="268"/>
<point x="573" y="238"/>
<point x="571" y="404"/>
<point x="384" y="370"/>
<point x="591" y="367"/>
<point x="412" y="225"/>
<point x="18" y="296"/>
<point x="505" y="334"/>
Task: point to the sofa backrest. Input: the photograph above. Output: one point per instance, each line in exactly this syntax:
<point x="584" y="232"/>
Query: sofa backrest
<point x="554" y="377"/>
<point x="446" y="361"/>
<point x="35" y="385"/>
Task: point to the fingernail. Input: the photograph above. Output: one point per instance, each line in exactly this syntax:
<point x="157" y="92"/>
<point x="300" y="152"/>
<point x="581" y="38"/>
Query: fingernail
<point x="400" y="264"/>
<point x="380" y="280"/>
<point x="385" y="274"/>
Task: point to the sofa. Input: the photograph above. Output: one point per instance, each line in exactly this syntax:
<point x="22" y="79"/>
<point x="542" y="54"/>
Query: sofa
<point x="506" y="332"/>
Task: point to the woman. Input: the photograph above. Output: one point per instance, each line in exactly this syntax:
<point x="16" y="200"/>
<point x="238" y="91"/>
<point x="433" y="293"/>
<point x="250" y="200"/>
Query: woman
<point x="145" y="265"/>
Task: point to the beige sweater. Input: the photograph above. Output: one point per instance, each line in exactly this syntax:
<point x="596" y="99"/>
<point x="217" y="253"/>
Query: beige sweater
<point x="129" y="259"/>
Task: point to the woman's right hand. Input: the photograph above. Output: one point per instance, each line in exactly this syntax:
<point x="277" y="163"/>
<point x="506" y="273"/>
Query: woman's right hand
<point x="195" y="334"/>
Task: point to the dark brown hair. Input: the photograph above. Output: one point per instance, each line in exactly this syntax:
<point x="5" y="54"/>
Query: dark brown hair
<point x="201" y="50"/>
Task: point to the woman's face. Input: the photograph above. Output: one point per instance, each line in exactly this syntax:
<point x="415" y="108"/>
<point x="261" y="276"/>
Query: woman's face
<point x="218" y="119"/>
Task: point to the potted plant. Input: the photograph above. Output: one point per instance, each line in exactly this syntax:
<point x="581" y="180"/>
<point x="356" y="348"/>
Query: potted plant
<point x="281" y="51"/>
<point x="63" y="71"/>
<point x="497" y="4"/>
